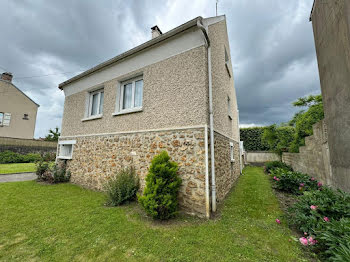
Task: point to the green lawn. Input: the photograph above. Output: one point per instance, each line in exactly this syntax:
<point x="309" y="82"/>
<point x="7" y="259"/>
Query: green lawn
<point x="65" y="222"/>
<point x="17" y="168"/>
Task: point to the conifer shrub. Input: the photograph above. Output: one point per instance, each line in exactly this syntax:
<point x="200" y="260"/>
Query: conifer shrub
<point x="162" y="186"/>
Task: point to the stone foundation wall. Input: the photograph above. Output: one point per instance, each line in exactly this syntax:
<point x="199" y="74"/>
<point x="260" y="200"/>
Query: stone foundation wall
<point x="226" y="172"/>
<point x="97" y="158"/>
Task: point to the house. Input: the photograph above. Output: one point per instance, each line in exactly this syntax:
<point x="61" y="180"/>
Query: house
<point x="331" y="26"/>
<point x="174" y="93"/>
<point x="17" y="111"/>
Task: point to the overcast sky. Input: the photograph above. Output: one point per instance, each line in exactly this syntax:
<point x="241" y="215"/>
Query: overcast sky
<point x="271" y="45"/>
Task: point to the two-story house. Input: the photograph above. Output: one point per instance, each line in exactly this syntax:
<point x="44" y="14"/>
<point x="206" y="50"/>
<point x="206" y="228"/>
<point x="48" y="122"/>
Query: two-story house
<point x="17" y="111"/>
<point x="174" y="93"/>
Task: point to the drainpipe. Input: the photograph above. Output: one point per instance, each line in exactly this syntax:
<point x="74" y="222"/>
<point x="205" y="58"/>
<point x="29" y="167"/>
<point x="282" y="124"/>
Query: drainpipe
<point x="211" y="117"/>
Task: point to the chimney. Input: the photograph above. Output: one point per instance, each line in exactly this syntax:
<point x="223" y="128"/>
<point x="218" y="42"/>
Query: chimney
<point x="6" y="77"/>
<point x="155" y="31"/>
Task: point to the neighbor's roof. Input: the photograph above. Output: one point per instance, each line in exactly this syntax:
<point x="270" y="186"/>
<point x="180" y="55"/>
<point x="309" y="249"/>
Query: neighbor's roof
<point x="312" y="10"/>
<point x="134" y="50"/>
<point x="19" y="91"/>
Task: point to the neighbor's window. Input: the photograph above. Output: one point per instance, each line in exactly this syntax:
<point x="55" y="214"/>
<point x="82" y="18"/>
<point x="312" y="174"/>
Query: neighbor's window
<point x="25" y="117"/>
<point x="96" y="102"/>
<point x="229" y="109"/>
<point x="232" y="152"/>
<point x="131" y="94"/>
<point x="1" y="118"/>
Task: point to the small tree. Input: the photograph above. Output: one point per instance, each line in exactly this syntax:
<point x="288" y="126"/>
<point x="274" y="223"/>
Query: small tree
<point x="53" y="134"/>
<point x="162" y="186"/>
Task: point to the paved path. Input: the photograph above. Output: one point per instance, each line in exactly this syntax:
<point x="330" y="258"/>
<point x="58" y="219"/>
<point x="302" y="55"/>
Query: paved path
<point x="17" y="177"/>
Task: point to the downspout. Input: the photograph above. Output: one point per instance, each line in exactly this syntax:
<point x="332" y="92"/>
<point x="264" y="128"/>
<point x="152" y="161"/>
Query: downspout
<point x="211" y="118"/>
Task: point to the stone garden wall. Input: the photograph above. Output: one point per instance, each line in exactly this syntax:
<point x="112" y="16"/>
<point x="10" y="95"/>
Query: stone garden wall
<point x="226" y="172"/>
<point x="97" y="158"/>
<point x="25" y="146"/>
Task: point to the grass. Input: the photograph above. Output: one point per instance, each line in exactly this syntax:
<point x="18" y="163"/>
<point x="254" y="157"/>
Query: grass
<point x="17" y="168"/>
<point x="65" y="222"/>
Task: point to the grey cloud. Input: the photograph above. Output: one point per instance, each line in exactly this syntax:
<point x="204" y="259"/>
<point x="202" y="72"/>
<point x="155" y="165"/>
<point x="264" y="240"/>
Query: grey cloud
<point x="271" y="46"/>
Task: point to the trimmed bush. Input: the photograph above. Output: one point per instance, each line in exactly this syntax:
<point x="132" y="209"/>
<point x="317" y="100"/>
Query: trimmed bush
<point x="122" y="187"/>
<point x="272" y="165"/>
<point x="162" y="186"/>
<point x="8" y="157"/>
<point x="41" y="168"/>
<point x="293" y="182"/>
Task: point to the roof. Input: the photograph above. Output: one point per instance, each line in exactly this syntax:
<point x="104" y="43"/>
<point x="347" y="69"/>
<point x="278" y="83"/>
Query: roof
<point x="312" y="10"/>
<point x="134" y="50"/>
<point x="20" y="91"/>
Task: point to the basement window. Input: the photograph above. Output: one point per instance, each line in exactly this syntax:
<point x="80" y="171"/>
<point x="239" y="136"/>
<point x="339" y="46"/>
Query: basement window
<point x="232" y="152"/>
<point x="66" y="149"/>
<point x="1" y="118"/>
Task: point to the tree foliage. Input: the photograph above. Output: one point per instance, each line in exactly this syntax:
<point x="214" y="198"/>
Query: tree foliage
<point x="279" y="138"/>
<point x="53" y="134"/>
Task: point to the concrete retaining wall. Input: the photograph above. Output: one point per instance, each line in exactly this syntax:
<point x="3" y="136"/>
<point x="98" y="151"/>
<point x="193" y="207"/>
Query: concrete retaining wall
<point x="261" y="157"/>
<point x="313" y="158"/>
<point x="25" y="146"/>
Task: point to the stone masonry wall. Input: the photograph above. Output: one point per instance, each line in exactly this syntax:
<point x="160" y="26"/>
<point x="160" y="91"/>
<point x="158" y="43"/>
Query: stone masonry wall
<point x="226" y="172"/>
<point x="313" y="158"/>
<point x="97" y="158"/>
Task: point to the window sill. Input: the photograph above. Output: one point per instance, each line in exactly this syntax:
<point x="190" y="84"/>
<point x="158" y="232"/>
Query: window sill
<point x="64" y="157"/>
<point x="92" y="118"/>
<point x="124" y="112"/>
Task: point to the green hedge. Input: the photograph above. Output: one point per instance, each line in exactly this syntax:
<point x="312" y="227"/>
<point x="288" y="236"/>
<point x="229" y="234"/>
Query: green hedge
<point x="251" y="138"/>
<point x="8" y="157"/>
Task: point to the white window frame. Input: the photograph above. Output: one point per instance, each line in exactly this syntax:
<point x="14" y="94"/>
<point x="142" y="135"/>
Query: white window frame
<point x="120" y="100"/>
<point x="91" y="94"/>
<point x="232" y="152"/>
<point x="62" y="144"/>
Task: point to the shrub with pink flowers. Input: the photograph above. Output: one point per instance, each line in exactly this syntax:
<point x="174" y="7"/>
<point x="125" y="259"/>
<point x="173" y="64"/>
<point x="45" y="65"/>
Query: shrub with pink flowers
<point x="316" y="214"/>
<point x="292" y="182"/>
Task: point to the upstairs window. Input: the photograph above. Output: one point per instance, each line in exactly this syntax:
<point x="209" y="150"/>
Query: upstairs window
<point x="131" y="94"/>
<point x="229" y="108"/>
<point x="96" y="103"/>
<point x="227" y="62"/>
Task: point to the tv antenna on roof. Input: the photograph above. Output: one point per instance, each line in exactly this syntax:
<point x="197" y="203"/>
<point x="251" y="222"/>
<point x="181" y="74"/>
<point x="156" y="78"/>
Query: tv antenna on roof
<point x="216" y="9"/>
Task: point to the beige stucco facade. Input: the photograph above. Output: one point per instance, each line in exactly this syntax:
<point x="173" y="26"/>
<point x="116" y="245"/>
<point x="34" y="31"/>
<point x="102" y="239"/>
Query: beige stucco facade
<point x="174" y="114"/>
<point x="15" y="104"/>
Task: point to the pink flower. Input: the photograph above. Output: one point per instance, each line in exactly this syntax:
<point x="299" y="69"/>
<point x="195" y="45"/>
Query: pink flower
<point x="326" y="219"/>
<point x="313" y="207"/>
<point x="303" y="241"/>
<point x="277" y="179"/>
<point x="305" y="234"/>
<point x="278" y="221"/>
<point x="302" y="184"/>
<point x="312" y="179"/>
<point x="274" y="178"/>
<point x="311" y="241"/>
<point x="319" y="184"/>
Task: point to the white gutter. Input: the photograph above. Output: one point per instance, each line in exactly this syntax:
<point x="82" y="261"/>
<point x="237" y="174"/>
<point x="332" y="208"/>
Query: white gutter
<point x="211" y="118"/>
